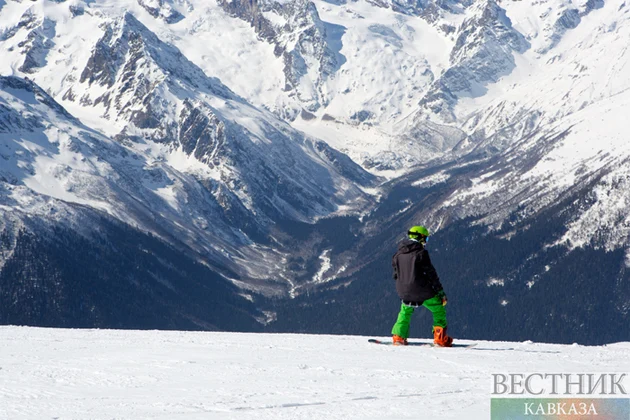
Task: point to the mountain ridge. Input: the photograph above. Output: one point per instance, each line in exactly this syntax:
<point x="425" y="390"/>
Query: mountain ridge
<point x="298" y="200"/>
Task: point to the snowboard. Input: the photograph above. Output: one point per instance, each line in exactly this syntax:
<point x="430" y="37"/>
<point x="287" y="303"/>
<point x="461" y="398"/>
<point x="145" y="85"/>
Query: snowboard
<point x="419" y="344"/>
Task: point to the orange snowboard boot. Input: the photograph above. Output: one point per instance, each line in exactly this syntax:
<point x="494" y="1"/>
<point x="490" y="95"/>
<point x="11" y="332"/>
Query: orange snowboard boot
<point x="441" y="338"/>
<point x="399" y="341"/>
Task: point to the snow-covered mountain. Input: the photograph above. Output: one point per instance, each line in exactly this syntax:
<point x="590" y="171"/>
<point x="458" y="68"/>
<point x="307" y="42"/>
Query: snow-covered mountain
<point x="224" y="170"/>
<point x="285" y="145"/>
<point x="51" y="159"/>
<point x="150" y="374"/>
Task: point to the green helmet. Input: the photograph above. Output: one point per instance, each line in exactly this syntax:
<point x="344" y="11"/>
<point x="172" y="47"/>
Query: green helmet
<point x="418" y="231"/>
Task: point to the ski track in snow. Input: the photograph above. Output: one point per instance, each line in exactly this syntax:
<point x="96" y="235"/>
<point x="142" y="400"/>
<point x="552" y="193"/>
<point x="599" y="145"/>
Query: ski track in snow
<point x="105" y="374"/>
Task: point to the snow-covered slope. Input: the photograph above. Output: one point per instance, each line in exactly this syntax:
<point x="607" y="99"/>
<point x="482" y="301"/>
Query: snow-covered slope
<point x="554" y="125"/>
<point x="348" y="73"/>
<point x="51" y="161"/>
<point x="127" y="82"/>
<point x="188" y="153"/>
<point x="91" y="235"/>
<point x="392" y="84"/>
<point x="98" y="374"/>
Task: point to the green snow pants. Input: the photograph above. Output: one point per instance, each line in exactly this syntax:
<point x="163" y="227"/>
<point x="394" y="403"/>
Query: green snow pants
<point x="401" y="327"/>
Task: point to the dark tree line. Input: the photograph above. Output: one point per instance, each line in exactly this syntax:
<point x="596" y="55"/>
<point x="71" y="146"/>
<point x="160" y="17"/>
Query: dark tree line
<point x="119" y="279"/>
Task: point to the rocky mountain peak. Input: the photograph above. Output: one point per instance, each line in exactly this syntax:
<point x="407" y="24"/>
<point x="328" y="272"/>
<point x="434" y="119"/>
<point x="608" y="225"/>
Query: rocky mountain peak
<point x="40" y="32"/>
<point x="300" y="38"/>
<point x="483" y="52"/>
<point x="161" y="9"/>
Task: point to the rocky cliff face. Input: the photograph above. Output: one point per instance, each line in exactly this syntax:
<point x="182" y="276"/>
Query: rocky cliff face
<point x="137" y="71"/>
<point x="40" y="32"/>
<point x="161" y="9"/>
<point x="483" y="52"/>
<point x="300" y="38"/>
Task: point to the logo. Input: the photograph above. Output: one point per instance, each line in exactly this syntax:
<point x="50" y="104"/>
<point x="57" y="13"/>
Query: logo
<point x="519" y="396"/>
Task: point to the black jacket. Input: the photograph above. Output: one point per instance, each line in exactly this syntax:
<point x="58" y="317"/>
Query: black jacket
<point x="416" y="279"/>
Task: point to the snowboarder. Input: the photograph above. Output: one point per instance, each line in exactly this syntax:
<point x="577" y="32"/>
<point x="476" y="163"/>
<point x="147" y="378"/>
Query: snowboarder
<point x="418" y="284"/>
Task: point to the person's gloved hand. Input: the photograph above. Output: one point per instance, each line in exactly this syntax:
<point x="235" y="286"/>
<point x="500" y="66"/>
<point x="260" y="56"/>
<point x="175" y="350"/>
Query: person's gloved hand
<point x="442" y="296"/>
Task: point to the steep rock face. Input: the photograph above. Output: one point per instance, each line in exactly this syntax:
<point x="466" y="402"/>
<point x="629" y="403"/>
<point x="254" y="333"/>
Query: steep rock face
<point x="139" y="64"/>
<point x="252" y="12"/>
<point x="300" y="38"/>
<point x="568" y="16"/>
<point x="201" y="134"/>
<point x="139" y="72"/>
<point x="311" y="51"/>
<point x="483" y="52"/>
<point x="38" y="41"/>
<point x="37" y="45"/>
<point x="162" y="10"/>
<point x="430" y="10"/>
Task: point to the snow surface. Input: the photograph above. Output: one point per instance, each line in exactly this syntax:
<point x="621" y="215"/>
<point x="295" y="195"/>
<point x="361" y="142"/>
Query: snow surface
<point x="105" y="374"/>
